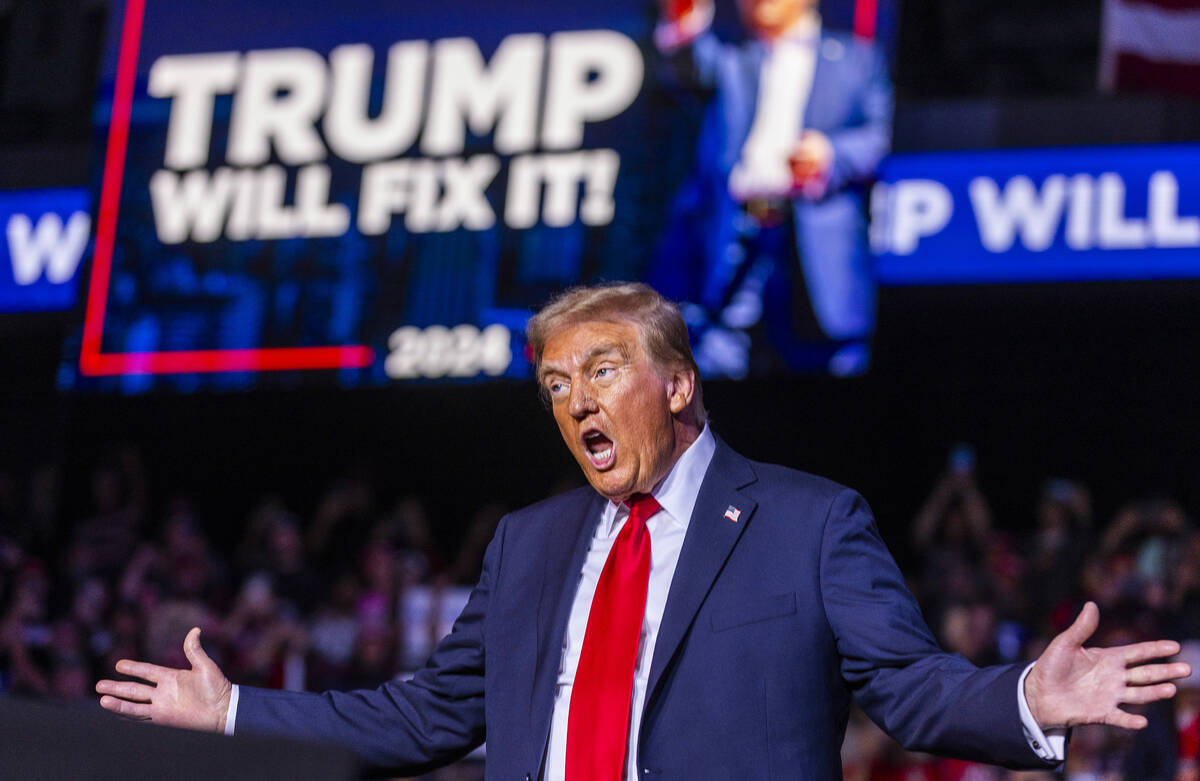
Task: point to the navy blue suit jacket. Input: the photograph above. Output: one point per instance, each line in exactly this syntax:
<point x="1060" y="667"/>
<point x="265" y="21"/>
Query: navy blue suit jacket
<point x="772" y="624"/>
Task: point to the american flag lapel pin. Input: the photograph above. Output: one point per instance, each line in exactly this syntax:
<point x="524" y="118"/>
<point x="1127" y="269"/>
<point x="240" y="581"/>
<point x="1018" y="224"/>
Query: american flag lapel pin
<point x="733" y="513"/>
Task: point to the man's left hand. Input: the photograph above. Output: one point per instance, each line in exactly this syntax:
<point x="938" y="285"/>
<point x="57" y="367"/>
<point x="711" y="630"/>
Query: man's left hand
<point x="1071" y="685"/>
<point x="811" y="161"/>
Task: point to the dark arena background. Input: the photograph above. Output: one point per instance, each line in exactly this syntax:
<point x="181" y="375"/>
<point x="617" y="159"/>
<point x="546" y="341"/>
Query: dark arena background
<point x="266" y="268"/>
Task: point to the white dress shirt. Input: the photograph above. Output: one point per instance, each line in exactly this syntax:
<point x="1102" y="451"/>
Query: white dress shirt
<point x="784" y="86"/>
<point x="676" y="496"/>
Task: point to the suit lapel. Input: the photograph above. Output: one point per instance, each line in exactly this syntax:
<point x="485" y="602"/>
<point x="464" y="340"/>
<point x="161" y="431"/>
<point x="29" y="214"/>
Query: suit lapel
<point x="562" y="561"/>
<point x="710" y="539"/>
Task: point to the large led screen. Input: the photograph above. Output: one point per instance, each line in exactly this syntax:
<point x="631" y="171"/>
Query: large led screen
<point x="373" y="192"/>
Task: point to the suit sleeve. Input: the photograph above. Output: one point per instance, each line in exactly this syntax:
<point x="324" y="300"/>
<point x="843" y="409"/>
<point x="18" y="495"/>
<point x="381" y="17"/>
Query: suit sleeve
<point x="926" y="699"/>
<point x="858" y="149"/>
<point x="403" y="727"/>
<point x="694" y="64"/>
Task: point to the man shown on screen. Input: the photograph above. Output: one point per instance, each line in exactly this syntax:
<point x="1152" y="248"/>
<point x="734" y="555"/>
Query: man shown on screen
<point x="799" y="120"/>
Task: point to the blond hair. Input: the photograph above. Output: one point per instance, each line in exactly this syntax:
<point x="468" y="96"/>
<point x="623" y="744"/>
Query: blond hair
<point x="663" y="333"/>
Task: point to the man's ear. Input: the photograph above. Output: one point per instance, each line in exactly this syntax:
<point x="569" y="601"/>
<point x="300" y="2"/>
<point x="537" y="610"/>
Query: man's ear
<point x="681" y="388"/>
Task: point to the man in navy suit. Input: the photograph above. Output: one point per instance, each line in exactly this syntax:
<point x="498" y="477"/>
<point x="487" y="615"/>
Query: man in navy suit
<point x="690" y="615"/>
<point x="799" y="120"/>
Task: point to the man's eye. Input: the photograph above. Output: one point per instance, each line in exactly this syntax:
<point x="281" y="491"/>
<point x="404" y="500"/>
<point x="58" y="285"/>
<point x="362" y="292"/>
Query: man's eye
<point x="604" y="371"/>
<point x="555" y="388"/>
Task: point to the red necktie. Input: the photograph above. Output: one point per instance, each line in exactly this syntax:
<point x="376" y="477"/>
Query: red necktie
<point x="598" y="722"/>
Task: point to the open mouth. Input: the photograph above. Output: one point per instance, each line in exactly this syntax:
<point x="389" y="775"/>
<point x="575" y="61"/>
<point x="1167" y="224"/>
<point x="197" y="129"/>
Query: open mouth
<point x="599" y="449"/>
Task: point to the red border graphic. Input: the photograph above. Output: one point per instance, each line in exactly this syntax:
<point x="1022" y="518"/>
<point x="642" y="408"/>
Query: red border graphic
<point x="94" y="363"/>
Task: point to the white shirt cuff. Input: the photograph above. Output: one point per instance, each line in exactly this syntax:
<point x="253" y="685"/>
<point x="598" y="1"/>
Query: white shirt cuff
<point x="231" y="714"/>
<point x="1051" y="744"/>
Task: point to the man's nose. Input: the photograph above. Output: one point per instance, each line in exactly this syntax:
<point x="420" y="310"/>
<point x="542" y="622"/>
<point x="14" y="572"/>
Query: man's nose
<point x="582" y="403"/>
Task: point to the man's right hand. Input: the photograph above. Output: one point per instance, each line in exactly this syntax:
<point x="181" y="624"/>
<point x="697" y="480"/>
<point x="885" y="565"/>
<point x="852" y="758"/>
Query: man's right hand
<point x="197" y="698"/>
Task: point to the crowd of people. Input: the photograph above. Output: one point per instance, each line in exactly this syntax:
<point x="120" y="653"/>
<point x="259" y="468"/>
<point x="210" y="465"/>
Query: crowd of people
<point x="997" y="595"/>
<point x="351" y="592"/>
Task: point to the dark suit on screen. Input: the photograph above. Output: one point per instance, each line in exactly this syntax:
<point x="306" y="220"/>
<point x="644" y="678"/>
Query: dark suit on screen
<point x="772" y="624"/>
<point x="850" y="102"/>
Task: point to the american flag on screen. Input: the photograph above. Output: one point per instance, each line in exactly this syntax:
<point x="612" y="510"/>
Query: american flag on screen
<point x="1151" y="46"/>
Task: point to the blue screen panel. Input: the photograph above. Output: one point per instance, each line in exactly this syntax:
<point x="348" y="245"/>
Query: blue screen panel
<point x="1039" y="215"/>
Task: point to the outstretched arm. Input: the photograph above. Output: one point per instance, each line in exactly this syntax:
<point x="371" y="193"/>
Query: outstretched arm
<point x="1070" y="685"/>
<point x="412" y="726"/>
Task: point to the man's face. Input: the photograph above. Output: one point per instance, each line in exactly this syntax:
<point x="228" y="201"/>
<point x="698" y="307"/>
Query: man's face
<point x="773" y="17"/>
<point x="614" y="407"/>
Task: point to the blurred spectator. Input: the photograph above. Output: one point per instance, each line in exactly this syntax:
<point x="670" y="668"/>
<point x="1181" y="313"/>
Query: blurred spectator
<point x="294" y="582"/>
<point x="102" y="542"/>
<point x="950" y="536"/>
<point x="10" y="513"/>
<point x="333" y="633"/>
<point x="25" y="631"/>
<point x="169" y="622"/>
<point x="1059" y="544"/>
<point x="408" y="525"/>
<point x="969" y="628"/>
<point x="41" y="527"/>
<point x="1185" y="589"/>
<point x="342" y="522"/>
<point x="469" y="561"/>
<point x="1169" y="748"/>
<point x="30" y="520"/>
<point x="1152" y="535"/>
<point x="374" y="658"/>
<point x="254" y="549"/>
<point x="264" y="635"/>
<point x="192" y="569"/>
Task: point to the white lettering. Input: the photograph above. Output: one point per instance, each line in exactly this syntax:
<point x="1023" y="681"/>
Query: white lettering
<point x="281" y="96"/>
<point x="503" y="95"/>
<point x="1115" y="230"/>
<point x="464" y="203"/>
<point x="350" y="133"/>
<point x="462" y="351"/>
<point x="48" y="248"/>
<point x="919" y="208"/>
<point x="434" y="195"/>
<point x="275" y="219"/>
<point x="561" y="174"/>
<point x="192" y="82"/>
<point x="1020" y="208"/>
<point x="195" y="205"/>
<point x="243" y="216"/>
<point x="524" y="192"/>
<point x="1166" y="226"/>
<point x="191" y="205"/>
<point x="318" y="216"/>
<point x="1081" y="224"/>
<point x="594" y="75"/>
<point x="385" y="191"/>
<point x="600" y="179"/>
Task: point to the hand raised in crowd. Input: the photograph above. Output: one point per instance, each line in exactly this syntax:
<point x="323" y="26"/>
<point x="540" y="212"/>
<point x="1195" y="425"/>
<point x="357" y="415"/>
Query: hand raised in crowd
<point x="1071" y="685"/>
<point x="197" y="698"/>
